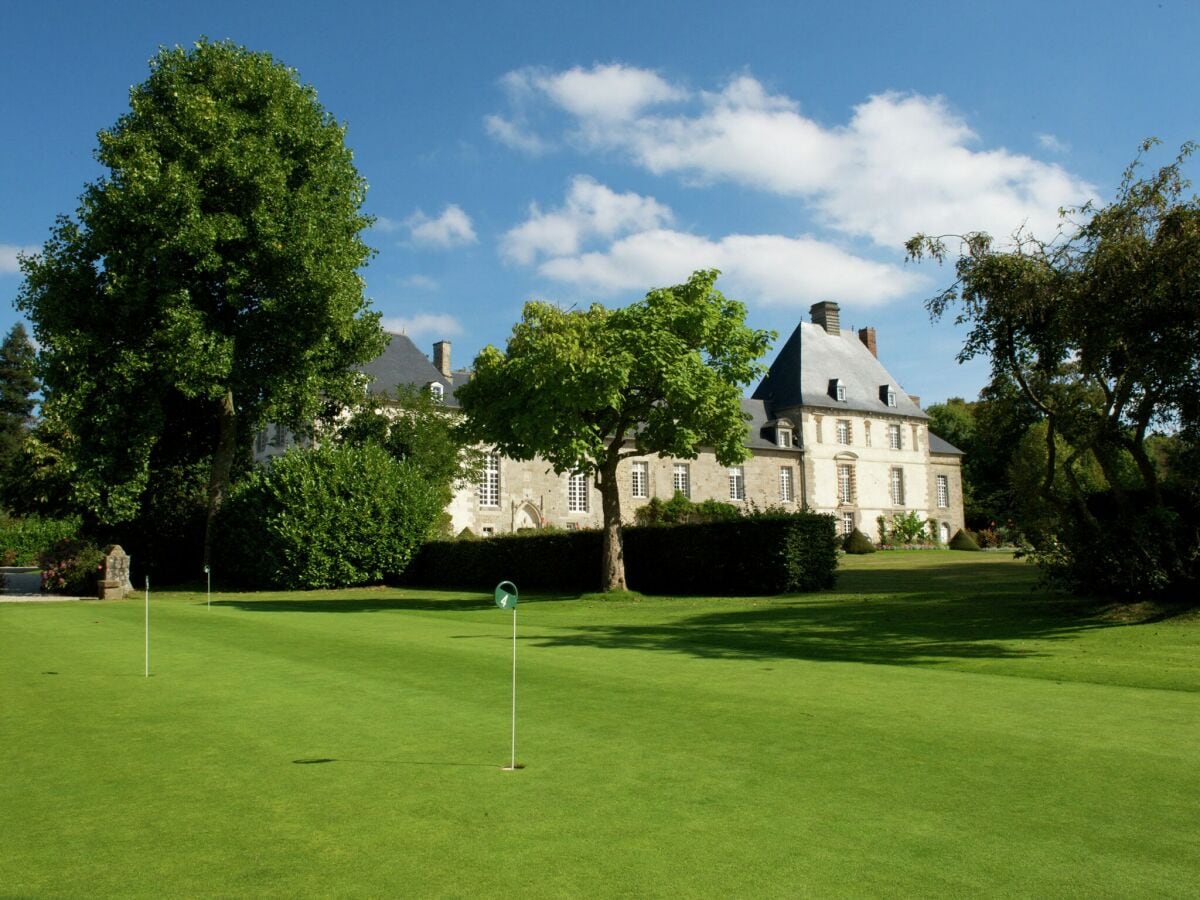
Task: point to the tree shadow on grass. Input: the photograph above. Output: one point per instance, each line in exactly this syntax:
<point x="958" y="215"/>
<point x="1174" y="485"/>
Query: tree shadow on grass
<point x="374" y="604"/>
<point x="938" y="613"/>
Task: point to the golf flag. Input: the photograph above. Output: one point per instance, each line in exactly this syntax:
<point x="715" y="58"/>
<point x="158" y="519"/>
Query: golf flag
<point x="506" y="595"/>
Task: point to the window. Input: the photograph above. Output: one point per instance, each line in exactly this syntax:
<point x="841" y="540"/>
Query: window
<point x="787" y="490"/>
<point x="841" y="392"/>
<point x="437" y="391"/>
<point x="867" y="433"/>
<point x="260" y="443"/>
<point x="681" y="480"/>
<point x="895" y="438"/>
<point x="843" y="431"/>
<point x="837" y="389"/>
<point x="847" y="522"/>
<point x="945" y="532"/>
<point x="845" y="483"/>
<point x="577" y="493"/>
<point x="639" y="480"/>
<point x="891" y="397"/>
<point x="783" y="437"/>
<point x="280" y="439"/>
<point x="897" y="486"/>
<point x="489" y="482"/>
<point x="488" y="530"/>
<point x="737" y="483"/>
<point x="943" y="492"/>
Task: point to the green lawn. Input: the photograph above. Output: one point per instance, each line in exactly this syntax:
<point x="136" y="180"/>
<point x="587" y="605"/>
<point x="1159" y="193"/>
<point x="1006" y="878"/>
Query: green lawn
<point x="934" y="727"/>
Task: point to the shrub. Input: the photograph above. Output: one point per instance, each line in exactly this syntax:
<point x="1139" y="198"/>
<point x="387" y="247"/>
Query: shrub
<point x="962" y="540"/>
<point x="328" y="517"/>
<point x="857" y="542"/>
<point x="71" y="566"/>
<point x="679" y="510"/>
<point x="22" y="541"/>
<point x="766" y="554"/>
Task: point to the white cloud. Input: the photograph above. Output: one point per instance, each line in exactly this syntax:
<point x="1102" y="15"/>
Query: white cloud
<point x="451" y="229"/>
<point x="421" y="283"/>
<point x="1053" y="144"/>
<point x="8" y="257"/>
<point x="514" y="135"/>
<point x="763" y="269"/>
<point x="386" y="225"/>
<point x="591" y="210"/>
<point x="902" y="163"/>
<point x="435" y="325"/>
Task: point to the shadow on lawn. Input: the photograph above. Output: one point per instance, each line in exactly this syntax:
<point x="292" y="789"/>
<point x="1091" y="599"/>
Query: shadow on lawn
<point x="373" y="604"/>
<point x="931" y="613"/>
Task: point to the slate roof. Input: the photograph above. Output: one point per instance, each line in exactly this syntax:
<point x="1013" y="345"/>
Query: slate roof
<point x="808" y="363"/>
<point x="942" y="446"/>
<point x="401" y="363"/>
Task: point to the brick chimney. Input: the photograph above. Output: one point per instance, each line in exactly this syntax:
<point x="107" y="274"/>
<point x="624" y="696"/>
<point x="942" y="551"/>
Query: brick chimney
<point x="867" y="336"/>
<point x="441" y="357"/>
<point x="825" y="314"/>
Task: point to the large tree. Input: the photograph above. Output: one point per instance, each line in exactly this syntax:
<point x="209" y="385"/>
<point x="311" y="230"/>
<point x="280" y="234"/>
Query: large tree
<point x="18" y="385"/>
<point x="584" y="389"/>
<point x="1100" y="329"/>
<point x="208" y="282"/>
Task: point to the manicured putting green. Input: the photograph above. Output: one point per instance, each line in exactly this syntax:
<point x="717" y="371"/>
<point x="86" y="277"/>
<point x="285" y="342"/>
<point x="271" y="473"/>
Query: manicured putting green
<point x="934" y="727"/>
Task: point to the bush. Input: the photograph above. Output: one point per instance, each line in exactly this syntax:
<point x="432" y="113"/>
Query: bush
<point x="328" y="517"/>
<point x="71" y="566"/>
<point x="766" y="554"/>
<point x="680" y="510"/>
<point x="857" y="542"/>
<point x="22" y="541"/>
<point x="963" y="541"/>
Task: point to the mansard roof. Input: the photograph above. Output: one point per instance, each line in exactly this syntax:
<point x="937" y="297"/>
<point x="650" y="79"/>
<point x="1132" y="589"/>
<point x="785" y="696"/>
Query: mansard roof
<point x="401" y="365"/>
<point x="813" y="362"/>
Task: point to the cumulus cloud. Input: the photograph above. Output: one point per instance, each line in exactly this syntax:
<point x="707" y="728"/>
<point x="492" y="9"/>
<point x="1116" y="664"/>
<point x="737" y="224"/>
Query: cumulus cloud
<point x="514" y="135"/>
<point x="8" y="257"/>
<point x="590" y="210"/>
<point x="766" y="269"/>
<point x="900" y="164"/>
<point x="421" y="283"/>
<point x="451" y="229"/>
<point x="424" y="325"/>
<point x="1053" y="144"/>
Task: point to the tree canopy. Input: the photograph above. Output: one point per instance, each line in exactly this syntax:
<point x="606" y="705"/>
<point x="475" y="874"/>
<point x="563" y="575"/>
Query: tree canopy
<point x="1100" y="331"/>
<point x="584" y="389"/>
<point x="18" y="385"/>
<point x="209" y="281"/>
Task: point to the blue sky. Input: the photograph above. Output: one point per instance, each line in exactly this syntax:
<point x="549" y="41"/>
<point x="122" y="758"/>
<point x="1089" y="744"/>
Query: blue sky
<point x="590" y="151"/>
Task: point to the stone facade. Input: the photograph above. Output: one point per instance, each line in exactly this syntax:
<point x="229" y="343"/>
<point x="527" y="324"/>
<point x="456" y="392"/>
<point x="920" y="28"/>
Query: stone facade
<point x="828" y="430"/>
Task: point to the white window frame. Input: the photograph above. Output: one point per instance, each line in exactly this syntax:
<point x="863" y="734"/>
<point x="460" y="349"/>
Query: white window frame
<point x="845" y="432"/>
<point x="891" y="397"/>
<point x="437" y="391"/>
<point x="577" y="492"/>
<point x="896" y="485"/>
<point x="783" y="437"/>
<point x="895" y="437"/>
<point x="639" y="480"/>
<point x="943" y="492"/>
<point x="737" y="482"/>
<point x="841" y="392"/>
<point x="489" y="482"/>
<point x="681" y="480"/>
<point x="787" y="485"/>
<point x="848" y="525"/>
<point x="845" y="483"/>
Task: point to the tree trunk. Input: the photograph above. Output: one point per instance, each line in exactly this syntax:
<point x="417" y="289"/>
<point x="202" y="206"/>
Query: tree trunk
<point x="222" y="466"/>
<point x="613" y="553"/>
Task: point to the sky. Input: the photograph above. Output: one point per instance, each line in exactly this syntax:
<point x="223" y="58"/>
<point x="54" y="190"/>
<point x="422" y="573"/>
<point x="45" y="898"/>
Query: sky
<point x="588" y="152"/>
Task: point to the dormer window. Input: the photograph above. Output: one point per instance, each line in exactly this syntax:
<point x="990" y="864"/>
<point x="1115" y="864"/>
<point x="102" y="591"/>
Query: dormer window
<point x="887" y="395"/>
<point x="783" y="437"/>
<point x="437" y="391"/>
<point x="837" y="389"/>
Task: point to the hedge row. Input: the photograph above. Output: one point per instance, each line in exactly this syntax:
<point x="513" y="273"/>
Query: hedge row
<point x="770" y="554"/>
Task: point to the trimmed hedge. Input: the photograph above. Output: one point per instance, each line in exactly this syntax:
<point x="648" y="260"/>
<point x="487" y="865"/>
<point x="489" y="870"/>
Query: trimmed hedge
<point x="962" y="540"/>
<point x="768" y="554"/>
<point x="857" y="542"/>
<point x="23" y="540"/>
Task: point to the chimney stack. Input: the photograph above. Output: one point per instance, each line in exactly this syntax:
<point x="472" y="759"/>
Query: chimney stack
<point x="825" y="314"/>
<point x="441" y="357"/>
<point x="867" y="336"/>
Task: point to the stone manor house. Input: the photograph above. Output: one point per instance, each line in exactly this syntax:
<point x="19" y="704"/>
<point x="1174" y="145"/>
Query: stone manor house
<point x="829" y="430"/>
